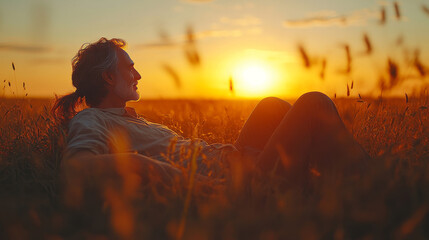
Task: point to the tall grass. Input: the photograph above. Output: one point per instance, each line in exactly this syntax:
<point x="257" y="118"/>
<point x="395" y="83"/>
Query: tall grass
<point x="390" y="201"/>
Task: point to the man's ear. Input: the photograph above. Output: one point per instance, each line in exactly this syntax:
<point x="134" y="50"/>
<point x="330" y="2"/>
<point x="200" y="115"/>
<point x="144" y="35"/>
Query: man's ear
<point x="108" y="78"/>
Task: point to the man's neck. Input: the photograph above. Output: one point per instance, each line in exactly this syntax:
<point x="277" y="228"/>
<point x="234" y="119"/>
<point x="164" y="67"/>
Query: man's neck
<point x="111" y="102"/>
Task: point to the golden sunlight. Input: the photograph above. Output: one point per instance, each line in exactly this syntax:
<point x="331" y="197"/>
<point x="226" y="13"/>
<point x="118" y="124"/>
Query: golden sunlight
<point x="253" y="79"/>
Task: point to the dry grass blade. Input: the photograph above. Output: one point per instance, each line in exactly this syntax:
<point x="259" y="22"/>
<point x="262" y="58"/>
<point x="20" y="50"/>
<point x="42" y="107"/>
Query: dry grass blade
<point x="418" y="64"/>
<point x="411" y="223"/>
<point x="323" y="70"/>
<point x="425" y="9"/>
<point x="191" y="52"/>
<point x="368" y="44"/>
<point x="383" y="15"/>
<point x="349" y="58"/>
<point x="351" y="87"/>
<point x="195" y="151"/>
<point x="397" y="10"/>
<point x="173" y="74"/>
<point x="231" y="85"/>
<point x="420" y="68"/>
<point x="14" y="74"/>
<point x="400" y="40"/>
<point x="393" y="70"/>
<point x="382" y="83"/>
<point x="193" y="58"/>
<point x="190" y="37"/>
<point x="406" y="98"/>
<point x="23" y="85"/>
<point x="348" y="90"/>
<point x="286" y="162"/>
<point x="164" y="36"/>
<point x="304" y="56"/>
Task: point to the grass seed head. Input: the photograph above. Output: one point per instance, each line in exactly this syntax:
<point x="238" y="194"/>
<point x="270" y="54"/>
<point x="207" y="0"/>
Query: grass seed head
<point x="348" y="90"/>
<point x="368" y="43"/>
<point x="348" y="58"/>
<point x="323" y="70"/>
<point x="418" y="64"/>
<point x="191" y="52"/>
<point x="393" y="71"/>
<point x="231" y="85"/>
<point x="304" y="56"/>
<point x="397" y="10"/>
<point x="425" y="9"/>
<point x="383" y="15"/>
<point x="400" y="40"/>
<point x="173" y="74"/>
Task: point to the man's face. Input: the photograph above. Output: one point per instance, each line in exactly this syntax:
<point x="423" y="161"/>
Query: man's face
<point x="125" y="78"/>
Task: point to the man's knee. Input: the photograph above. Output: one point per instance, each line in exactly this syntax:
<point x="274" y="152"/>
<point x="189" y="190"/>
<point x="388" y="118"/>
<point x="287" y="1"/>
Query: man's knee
<point x="274" y="103"/>
<point x="314" y="100"/>
<point x="317" y="105"/>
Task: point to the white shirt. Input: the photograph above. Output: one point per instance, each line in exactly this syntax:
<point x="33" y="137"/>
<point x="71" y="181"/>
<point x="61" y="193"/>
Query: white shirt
<point x="116" y="130"/>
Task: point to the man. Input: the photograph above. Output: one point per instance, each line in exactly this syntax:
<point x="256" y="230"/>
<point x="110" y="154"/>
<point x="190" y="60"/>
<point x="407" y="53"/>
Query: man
<point x="308" y="134"/>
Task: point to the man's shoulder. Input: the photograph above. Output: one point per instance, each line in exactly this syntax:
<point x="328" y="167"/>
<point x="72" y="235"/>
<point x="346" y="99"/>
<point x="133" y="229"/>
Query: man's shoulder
<point x="88" y="115"/>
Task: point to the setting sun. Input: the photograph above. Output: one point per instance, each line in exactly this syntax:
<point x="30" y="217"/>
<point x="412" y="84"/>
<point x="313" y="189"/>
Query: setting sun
<point x="253" y="79"/>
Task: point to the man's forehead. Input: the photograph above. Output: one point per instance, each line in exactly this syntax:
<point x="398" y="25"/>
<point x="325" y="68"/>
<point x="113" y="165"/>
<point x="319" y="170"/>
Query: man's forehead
<point x="123" y="57"/>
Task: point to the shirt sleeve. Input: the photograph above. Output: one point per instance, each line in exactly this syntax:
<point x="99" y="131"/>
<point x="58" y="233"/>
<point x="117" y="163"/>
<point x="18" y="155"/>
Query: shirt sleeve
<point x="87" y="132"/>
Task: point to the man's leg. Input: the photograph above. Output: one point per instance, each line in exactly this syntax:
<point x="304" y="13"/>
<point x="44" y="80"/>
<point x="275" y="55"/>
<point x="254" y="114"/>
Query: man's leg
<point x="311" y="136"/>
<point x="261" y="123"/>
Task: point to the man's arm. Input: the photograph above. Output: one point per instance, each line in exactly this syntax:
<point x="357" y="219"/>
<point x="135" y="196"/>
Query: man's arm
<point x="87" y="165"/>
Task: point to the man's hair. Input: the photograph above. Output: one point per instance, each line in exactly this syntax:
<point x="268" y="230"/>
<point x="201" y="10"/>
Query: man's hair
<point x="89" y="64"/>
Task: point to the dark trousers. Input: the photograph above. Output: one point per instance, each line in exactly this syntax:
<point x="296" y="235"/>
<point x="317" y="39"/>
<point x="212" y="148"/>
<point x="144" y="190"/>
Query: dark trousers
<point x="300" y="139"/>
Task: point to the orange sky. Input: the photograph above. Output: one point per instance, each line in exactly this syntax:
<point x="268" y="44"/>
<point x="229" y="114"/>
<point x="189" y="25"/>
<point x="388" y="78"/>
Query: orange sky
<point x="254" y="43"/>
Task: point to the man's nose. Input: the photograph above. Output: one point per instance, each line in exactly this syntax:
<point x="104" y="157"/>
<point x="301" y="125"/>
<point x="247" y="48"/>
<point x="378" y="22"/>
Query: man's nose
<point x="137" y="75"/>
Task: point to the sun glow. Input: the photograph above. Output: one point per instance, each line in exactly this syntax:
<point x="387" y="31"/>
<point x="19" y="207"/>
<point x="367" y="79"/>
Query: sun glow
<point x="253" y="79"/>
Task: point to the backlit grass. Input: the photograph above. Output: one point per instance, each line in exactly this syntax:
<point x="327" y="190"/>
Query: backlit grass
<point x="390" y="201"/>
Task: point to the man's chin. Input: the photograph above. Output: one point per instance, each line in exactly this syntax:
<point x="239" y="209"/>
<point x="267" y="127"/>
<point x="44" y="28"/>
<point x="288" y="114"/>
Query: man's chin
<point x="136" y="97"/>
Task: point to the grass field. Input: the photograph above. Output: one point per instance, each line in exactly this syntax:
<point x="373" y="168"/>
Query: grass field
<point x="390" y="202"/>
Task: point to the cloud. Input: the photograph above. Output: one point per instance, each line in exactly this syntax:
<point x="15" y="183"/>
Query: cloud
<point x="158" y="45"/>
<point x="227" y="27"/>
<point x="218" y="33"/>
<point x="197" y="1"/>
<point x="332" y="18"/>
<point x="243" y="6"/>
<point x="224" y="27"/>
<point x="244" y="21"/>
<point x="50" y="61"/>
<point x="23" y="48"/>
<point x="316" y="21"/>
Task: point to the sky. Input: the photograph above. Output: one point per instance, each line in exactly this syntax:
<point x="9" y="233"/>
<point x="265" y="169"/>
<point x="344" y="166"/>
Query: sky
<point x="245" y="49"/>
